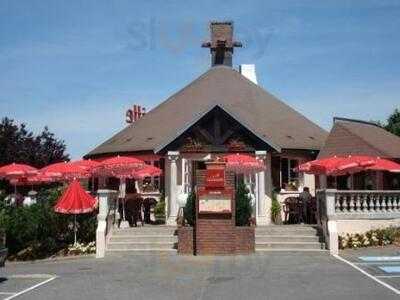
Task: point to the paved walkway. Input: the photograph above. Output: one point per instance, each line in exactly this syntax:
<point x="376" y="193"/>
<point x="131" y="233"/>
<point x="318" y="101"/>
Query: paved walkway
<point x="274" y="276"/>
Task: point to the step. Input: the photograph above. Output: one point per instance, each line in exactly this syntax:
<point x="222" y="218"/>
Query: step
<point x="143" y="238"/>
<point x="287" y="238"/>
<point x="141" y="245"/>
<point x="140" y="231"/>
<point x="142" y="251"/>
<point x="289" y="245"/>
<point x="289" y="250"/>
<point x="289" y="230"/>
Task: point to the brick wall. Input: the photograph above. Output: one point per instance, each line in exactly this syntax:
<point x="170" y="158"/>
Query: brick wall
<point x="185" y="240"/>
<point x="216" y="234"/>
<point x="237" y="240"/>
<point x="245" y="240"/>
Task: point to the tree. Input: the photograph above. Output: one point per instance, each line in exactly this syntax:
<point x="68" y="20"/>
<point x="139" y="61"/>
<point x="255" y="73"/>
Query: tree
<point x="18" y="144"/>
<point x="243" y="205"/>
<point x="189" y="211"/>
<point x="393" y="123"/>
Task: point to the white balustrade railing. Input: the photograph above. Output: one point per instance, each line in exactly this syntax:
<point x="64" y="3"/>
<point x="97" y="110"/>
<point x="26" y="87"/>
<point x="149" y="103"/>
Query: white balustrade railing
<point x="367" y="202"/>
<point x="356" y="205"/>
<point x="359" y="204"/>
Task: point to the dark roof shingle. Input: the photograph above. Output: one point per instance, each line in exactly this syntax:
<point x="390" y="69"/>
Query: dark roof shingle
<point x="352" y="137"/>
<point x="262" y="112"/>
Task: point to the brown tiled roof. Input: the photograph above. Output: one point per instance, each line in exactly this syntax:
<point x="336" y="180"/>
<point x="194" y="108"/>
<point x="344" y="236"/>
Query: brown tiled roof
<point x="352" y="137"/>
<point x="263" y="114"/>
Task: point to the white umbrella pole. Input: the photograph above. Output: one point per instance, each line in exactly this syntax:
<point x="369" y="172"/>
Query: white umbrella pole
<point x="122" y="192"/>
<point x="74" y="230"/>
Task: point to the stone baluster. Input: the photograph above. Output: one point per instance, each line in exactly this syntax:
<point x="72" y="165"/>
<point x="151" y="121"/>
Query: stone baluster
<point x="337" y="204"/>
<point x="397" y="202"/>
<point x="358" y="203"/>
<point x="384" y="206"/>
<point x="391" y="203"/>
<point x="363" y="203"/>
<point x="369" y="203"/>
<point x="351" y="202"/>
<point x="374" y="203"/>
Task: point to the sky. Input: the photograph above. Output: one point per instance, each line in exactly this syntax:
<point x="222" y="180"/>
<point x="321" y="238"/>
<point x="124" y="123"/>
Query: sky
<point x="77" y="66"/>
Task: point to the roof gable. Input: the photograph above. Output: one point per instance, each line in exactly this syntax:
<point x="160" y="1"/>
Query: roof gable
<point x="350" y="137"/>
<point x="262" y="113"/>
<point x="213" y="131"/>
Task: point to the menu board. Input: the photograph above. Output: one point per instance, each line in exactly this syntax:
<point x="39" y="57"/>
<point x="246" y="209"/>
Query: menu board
<point x="215" y="202"/>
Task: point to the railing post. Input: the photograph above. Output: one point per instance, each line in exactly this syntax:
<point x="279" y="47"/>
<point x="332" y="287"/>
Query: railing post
<point x="331" y="234"/>
<point x="330" y="198"/>
<point x="101" y="231"/>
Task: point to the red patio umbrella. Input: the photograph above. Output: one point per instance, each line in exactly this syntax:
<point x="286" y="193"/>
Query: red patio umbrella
<point x="318" y="166"/>
<point x="121" y="167"/>
<point x="336" y="165"/>
<point x="14" y="172"/>
<point x="385" y="165"/>
<point x="243" y="163"/>
<point x="147" y="171"/>
<point x="87" y="164"/>
<point x="75" y="200"/>
<point x="351" y="164"/>
<point x="118" y="164"/>
<point x="65" y="171"/>
<point x="33" y="180"/>
<point x="17" y="170"/>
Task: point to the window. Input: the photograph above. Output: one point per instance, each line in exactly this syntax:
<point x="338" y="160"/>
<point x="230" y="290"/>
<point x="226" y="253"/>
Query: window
<point x="288" y="176"/>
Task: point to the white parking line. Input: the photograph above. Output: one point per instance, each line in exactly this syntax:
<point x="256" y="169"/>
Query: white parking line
<point x="13" y="295"/>
<point x="396" y="291"/>
<point x="387" y="276"/>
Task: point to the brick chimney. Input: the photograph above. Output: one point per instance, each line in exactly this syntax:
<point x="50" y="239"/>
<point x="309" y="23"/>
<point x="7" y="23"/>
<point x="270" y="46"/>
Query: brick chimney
<point x="222" y="43"/>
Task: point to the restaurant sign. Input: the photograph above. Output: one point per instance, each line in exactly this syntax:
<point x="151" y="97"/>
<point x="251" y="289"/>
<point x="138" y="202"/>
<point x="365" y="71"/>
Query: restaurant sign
<point x="215" y="178"/>
<point x="215" y="201"/>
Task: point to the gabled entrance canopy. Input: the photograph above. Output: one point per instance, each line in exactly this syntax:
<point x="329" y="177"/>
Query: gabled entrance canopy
<point x="216" y="130"/>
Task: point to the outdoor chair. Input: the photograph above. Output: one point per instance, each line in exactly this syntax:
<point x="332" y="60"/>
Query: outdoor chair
<point x="148" y="209"/>
<point x="134" y="210"/>
<point x="312" y="211"/>
<point x="292" y="210"/>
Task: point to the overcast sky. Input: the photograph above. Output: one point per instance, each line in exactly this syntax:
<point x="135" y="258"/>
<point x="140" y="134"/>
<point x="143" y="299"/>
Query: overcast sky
<point x="76" y="66"/>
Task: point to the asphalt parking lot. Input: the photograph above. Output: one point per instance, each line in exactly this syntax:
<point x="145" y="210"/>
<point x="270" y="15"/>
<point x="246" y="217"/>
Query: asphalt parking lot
<point x="268" y="276"/>
<point x="381" y="264"/>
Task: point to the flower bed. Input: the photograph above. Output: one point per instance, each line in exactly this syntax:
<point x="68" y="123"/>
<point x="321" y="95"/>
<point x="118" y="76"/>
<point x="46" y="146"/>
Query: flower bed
<point x="81" y="248"/>
<point x="375" y="237"/>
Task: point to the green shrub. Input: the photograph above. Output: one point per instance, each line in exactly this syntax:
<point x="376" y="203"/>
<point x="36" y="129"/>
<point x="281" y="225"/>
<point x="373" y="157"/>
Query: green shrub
<point x="189" y="211"/>
<point x="243" y="205"/>
<point x="275" y="210"/>
<point x="159" y="210"/>
<point x="37" y="231"/>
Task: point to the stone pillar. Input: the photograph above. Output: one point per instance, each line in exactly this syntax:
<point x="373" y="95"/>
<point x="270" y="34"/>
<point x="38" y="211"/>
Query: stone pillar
<point x="173" y="196"/>
<point x="101" y="230"/>
<point x="264" y="184"/>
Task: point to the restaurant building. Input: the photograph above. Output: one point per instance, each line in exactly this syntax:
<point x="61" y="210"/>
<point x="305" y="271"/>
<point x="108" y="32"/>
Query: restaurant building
<point x="222" y="111"/>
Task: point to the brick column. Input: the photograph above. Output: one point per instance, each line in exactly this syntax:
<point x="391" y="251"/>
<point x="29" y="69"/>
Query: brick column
<point x="172" y="197"/>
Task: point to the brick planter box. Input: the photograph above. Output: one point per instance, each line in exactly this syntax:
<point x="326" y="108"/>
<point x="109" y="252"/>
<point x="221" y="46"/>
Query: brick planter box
<point x="185" y="241"/>
<point x="239" y="240"/>
<point x="245" y="239"/>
